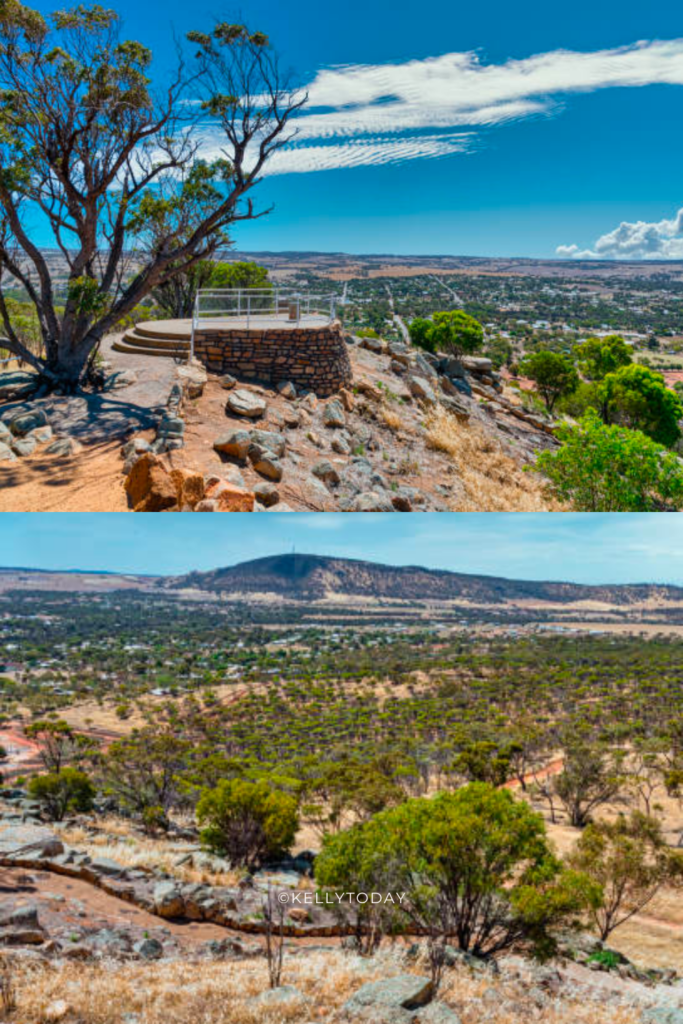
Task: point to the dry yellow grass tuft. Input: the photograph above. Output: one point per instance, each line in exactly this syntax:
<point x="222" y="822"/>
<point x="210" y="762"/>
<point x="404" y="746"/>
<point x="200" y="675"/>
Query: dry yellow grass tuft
<point x="219" y="993"/>
<point x="390" y="418"/>
<point x="492" y="481"/>
<point x="143" y="853"/>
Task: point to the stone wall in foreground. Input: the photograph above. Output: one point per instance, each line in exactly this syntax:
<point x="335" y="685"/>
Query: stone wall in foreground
<point x="313" y="358"/>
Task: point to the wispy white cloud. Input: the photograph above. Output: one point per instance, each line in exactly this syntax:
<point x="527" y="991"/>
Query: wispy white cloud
<point x="637" y="240"/>
<point x="388" y="113"/>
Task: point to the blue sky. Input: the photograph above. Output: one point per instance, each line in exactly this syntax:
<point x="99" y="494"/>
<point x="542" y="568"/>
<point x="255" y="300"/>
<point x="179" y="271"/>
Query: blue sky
<point x="592" y="548"/>
<point x="470" y="129"/>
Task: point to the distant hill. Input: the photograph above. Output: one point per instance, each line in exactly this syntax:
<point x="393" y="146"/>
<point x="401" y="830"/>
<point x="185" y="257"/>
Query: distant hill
<point x="307" y="578"/>
<point x="313" y="577"/>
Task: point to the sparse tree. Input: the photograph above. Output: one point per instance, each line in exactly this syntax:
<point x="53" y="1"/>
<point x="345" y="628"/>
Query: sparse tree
<point x="113" y="165"/>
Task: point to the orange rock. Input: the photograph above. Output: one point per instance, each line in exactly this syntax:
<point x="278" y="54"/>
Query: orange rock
<point x="189" y="486"/>
<point x="138" y="480"/>
<point x="347" y="398"/>
<point x="230" y="498"/>
<point x="162" y="493"/>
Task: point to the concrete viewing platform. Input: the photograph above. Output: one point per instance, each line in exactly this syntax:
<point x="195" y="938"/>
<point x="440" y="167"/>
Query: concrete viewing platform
<point x="309" y="350"/>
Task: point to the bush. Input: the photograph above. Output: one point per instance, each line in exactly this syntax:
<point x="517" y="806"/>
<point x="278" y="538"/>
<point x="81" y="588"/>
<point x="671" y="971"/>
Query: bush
<point x="600" y="356"/>
<point x="247" y="822"/>
<point x="603" y="468"/>
<point x="453" y="332"/>
<point x="474" y="864"/>
<point x="638" y="398"/>
<point x="553" y="373"/>
<point x="59" y="792"/>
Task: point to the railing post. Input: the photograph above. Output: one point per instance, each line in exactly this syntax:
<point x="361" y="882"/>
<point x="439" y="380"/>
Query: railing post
<point x="248" y="310"/>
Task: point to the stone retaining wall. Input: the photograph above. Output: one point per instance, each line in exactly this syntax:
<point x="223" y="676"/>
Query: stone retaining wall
<point x="312" y="358"/>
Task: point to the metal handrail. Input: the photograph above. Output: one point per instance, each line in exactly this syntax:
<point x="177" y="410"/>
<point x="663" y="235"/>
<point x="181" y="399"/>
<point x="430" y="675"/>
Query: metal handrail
<point x="264" y="303"/>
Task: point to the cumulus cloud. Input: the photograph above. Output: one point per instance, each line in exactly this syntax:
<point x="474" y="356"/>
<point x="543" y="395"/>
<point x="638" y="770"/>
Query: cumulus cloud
<point x="418" y="109"/>
<point x="637" y="240"/>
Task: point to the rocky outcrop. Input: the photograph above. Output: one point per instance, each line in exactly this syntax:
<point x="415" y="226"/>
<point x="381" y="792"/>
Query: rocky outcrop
<point x="151" y="487"/>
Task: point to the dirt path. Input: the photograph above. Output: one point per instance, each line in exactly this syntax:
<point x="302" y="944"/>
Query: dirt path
<point x="91" y="481"/>
<point x="99" y="906"/>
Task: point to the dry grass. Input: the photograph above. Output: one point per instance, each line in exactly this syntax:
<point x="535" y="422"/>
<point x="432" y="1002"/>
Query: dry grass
<point x="492" y="481"/>
<point x="390" y="418"/>
<point x="139" y="852"/>
<point x="219" y="993"/>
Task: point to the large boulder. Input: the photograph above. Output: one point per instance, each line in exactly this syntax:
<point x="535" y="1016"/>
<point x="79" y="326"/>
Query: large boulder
<point x="394" y="995"/>
<point x="21" y="840"/>
<point x="189" y="487"/>
<point x="149" y="487"/>
<point x="245" y="403"/>
<point x="477" y="364"/>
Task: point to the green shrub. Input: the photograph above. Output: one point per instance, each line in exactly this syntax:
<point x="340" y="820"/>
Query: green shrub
<point x="475" y="864"/>
<point x="602" y="468"/>
<point x="637" y="397"/>
<point x="247" y="822"/>
<point x="59" y="792"/>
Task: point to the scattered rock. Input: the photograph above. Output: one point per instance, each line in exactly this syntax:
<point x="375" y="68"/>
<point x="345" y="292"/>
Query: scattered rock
<point x="229" y="498"/>
<point x="207" y="505"/>
<point x="168" y="900"/>
<point x="227" y="381"/>
<point x="16" y="384"/>
<point x="278" y="997"/>
<point x="63" y="446"/>
<point x="404" y="992"/>
<point x="148" y="949"/>
<point x="340" y="445"/>
<point x="236" y="443"/>
<point x="6" y="453"/>
<point x="120" y="379"/>
<point x="270" y="441"/>
<point x="193" y="379"/>
<point x="266" y="494"/>
<point x="477" y="364"/>
<point x="23" y="446"/>
<point x="269" y="466"/>
<point x="245" y="403"/>
<point x="333" y="414"/>
<point x="437" y="1013"/>
<point x="56" y="1011"/>
<point x="372" y="501"/>
<point x="373" y="345"/>
<point x="287" y="389"/>
<point x="25" y="422"/>
<point x="136" y="446"/>
<point x="419" y="388"/>
<point x="326" y="471"/>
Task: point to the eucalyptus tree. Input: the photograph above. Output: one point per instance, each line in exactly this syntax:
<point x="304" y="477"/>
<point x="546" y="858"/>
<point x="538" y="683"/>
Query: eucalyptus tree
<point x="133" y="182"/>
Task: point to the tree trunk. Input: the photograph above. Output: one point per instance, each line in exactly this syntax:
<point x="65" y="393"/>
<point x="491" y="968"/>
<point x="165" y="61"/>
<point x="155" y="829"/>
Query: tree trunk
<point x="70" y="361"/>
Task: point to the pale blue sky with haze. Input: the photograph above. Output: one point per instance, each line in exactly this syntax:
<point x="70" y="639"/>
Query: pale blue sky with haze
<point x="585" y="548"/>
<point x="471" y="129"/>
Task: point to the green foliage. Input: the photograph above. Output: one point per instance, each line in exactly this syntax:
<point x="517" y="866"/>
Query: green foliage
<point x="553" y="373"/>
<point x="602" y="468"/>
<point x="600" y="356"/>
<point x="60" y="792"/>
<point x="247" y="822"/>
<point x="452" y="332"/>
<point x="637" y="397"/>
<point x="475" y="863"/>
<point x="630" y="862"/>
<point x="241" y="274"/>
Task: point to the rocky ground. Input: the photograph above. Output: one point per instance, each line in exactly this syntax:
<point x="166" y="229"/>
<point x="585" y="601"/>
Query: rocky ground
<point x="88" y="939"/>
<point x="414" y="432"/>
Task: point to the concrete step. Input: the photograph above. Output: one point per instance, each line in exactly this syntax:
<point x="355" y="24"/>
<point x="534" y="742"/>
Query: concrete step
<point x="141" y="350"/>
<point x="133" y="337"/>
<point x="180" y="330"/>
